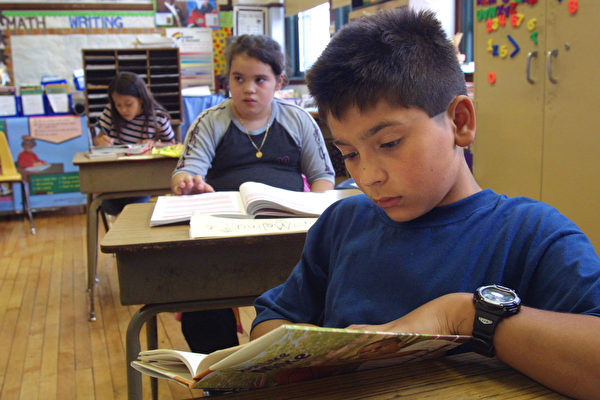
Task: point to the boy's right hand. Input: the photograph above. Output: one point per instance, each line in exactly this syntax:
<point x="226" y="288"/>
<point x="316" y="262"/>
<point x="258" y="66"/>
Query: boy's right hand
<point x="185" y="183"/>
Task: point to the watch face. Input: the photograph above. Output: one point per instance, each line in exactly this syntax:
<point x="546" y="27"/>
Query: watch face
<point x="498" y="294"/>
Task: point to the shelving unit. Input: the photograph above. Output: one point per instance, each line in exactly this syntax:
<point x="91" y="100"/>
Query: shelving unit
<point x="159" y="68"/>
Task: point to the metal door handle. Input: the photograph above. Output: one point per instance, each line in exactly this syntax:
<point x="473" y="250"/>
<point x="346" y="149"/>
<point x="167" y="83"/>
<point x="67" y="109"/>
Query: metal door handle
<point x="530" y="55"/>
<point x="549" y="64"/>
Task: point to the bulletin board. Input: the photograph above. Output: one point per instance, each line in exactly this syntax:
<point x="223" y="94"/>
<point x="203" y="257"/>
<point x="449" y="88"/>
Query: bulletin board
<point x="58" y="52"/>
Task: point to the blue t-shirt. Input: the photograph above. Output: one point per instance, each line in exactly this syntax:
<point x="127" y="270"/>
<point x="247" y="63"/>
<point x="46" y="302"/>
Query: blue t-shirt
<point x="359" y="266"/>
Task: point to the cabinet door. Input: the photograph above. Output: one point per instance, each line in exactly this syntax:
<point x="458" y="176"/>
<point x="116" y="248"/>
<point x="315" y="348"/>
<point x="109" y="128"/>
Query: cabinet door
<point x="571" y="151"/>
<point x="507" y="153"/>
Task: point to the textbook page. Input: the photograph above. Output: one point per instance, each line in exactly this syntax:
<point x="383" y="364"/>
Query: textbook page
<point x="172" y="209"/>
<point x="261" y="199"/>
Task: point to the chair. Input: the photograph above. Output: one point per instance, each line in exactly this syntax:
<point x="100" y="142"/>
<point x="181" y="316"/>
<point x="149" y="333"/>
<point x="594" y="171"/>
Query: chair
<point x="11" y="175"/>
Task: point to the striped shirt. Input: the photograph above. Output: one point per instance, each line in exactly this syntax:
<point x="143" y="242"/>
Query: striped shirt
<point x="133" y="131"/>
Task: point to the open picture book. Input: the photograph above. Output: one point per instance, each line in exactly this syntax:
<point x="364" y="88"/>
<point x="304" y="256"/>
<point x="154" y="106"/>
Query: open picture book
<point x="292" y="353"/>
<point x="252" y="200"/>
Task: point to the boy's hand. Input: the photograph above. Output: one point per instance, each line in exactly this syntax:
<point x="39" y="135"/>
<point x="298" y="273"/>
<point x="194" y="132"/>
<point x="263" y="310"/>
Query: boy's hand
<point x="184" y="183"/>
<point x="451" y="314"/>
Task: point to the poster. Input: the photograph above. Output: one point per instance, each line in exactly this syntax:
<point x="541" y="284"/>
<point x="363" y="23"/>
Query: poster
<point x="195" y="55"/>
<point x="187" y="13"/>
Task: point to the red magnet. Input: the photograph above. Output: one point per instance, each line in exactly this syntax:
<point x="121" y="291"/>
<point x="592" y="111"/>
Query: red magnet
<point x="573" y="6"/>
<point x="492" y="78"/>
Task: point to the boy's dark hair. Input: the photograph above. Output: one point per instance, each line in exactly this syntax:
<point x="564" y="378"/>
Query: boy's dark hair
<point x="131" y="84"/>
<point x="261" y="47"/>
<point x="400" y="56"/>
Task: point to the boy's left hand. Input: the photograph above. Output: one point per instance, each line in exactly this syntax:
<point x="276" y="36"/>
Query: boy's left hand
<point x="451" y="314"/>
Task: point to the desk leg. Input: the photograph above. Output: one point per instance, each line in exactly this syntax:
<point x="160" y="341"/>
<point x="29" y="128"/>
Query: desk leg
<point x="148" y="312"/>
<point x="132" y="347"/>
<point x="27" y="204"/>
<point x="93" y="205"/>
<point x="152" y="341"/>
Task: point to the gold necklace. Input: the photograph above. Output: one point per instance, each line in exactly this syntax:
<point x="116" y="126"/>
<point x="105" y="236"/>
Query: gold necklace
<point x="259" y="153"/>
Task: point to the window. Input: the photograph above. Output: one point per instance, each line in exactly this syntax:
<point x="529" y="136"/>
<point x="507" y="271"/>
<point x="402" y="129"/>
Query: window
<point x="313" y="35"/>
<point x="464" y="24"/>
<point x="307" y="34"/>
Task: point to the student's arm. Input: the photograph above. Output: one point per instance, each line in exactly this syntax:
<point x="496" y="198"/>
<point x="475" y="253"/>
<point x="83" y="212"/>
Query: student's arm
<point x="315" y="162"/>
<point x="266" y="326"/>
<point x="559" y="350"/>
<point x="202" y="139"/>
<point x="167" y="134"/>
<point x="321" y="185"/>
<point x="103" y="140"/>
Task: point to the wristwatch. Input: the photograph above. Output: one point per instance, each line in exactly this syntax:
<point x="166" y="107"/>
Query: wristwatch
<point x="492" y="304"/>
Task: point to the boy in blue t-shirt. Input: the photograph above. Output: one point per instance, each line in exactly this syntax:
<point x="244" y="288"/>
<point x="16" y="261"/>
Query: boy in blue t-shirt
<point x="409" y="255"/>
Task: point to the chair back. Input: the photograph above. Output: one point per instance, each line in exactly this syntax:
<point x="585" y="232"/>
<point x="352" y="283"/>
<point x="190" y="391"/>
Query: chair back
<point x="9" y="170"/>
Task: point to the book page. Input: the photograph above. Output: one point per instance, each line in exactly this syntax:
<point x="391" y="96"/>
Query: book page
<point x="208" y="226"/>
<point x="172" y="209"/>
<point x="177" y="372"/>
<point x="169" y="357"/>
<point x="261" y="199"/>
<point x="38" y="168"/>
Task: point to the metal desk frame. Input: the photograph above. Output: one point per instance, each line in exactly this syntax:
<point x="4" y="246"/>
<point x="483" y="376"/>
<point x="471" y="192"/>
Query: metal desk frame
<point x="111" y="178"/>
<point x="166" y="271"/>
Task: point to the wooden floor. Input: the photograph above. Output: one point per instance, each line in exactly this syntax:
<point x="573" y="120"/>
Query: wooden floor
<point x="48" y="349"/>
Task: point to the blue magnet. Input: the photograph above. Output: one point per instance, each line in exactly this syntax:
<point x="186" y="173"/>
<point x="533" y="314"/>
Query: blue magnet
<point x="517" y="48"/>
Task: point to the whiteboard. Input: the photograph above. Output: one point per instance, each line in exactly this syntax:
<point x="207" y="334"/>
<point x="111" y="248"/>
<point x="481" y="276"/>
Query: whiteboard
<point x="34" y="56"/>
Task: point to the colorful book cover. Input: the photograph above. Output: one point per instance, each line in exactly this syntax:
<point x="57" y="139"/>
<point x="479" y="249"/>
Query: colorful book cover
<point x="293" y="353"/>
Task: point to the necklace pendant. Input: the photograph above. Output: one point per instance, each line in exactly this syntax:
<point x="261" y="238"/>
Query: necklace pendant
<point x="259" y="154"/>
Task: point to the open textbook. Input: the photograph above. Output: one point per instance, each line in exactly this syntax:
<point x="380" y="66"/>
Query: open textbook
<point x="117" y="150"/>
<point x="253" y="199"/>
<point x="292" y="353"/>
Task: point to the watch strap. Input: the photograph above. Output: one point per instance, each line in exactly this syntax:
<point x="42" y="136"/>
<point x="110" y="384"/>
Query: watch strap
<point x="483" y="332"/>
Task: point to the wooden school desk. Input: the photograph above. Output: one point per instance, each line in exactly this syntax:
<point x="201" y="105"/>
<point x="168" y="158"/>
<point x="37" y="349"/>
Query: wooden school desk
<point x="110" y="178"/>
<point x="162" y="268"/>
<point x="462" y="376"/>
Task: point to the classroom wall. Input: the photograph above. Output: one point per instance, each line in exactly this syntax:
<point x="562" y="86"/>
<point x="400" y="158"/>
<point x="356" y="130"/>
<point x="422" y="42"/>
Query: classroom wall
<point x="49" y="42"/>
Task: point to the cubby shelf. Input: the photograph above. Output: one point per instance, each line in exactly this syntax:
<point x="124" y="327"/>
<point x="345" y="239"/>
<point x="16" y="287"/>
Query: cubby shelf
<point x="159" y="67"/>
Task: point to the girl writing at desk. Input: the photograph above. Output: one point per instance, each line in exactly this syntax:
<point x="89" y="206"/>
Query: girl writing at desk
<point x="250" y="137"/>
<point x="132" y="116"/>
